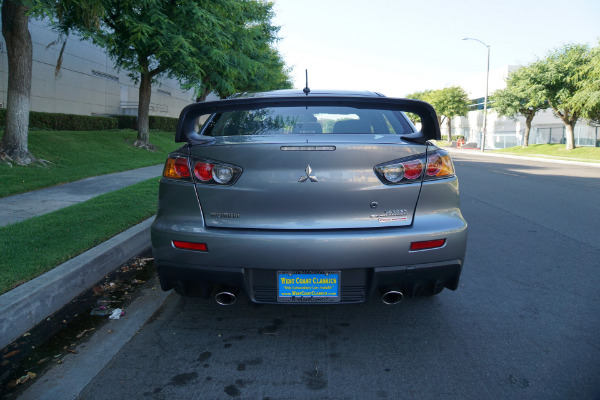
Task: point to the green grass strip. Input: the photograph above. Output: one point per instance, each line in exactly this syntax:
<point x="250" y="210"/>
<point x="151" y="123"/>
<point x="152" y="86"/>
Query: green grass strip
<point x="34" y="246"/>
<point x="588" y="154"/>
<point x="77" y="155"/>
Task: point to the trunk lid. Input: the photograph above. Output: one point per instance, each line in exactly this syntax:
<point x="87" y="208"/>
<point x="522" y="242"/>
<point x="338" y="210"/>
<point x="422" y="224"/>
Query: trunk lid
<point x="308" y="182"/>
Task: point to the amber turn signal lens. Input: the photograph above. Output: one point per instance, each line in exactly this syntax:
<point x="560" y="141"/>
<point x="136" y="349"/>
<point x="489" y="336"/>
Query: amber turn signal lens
<point x="176" y="168"/>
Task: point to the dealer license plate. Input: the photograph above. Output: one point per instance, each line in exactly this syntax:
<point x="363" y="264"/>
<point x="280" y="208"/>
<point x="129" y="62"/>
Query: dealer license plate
<point x="308" y="287"/>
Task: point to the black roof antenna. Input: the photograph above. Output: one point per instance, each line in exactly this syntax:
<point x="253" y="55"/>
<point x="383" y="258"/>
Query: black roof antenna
<point x="306" y="90"/>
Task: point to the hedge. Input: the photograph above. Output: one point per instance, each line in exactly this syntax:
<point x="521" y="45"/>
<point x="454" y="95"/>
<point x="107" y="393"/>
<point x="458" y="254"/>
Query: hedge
<point x="165" y="124"/>
<point x="73" y="122"/>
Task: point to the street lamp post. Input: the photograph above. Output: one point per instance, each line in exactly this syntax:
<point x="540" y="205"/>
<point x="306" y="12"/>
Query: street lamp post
<point x="487" y="81"/>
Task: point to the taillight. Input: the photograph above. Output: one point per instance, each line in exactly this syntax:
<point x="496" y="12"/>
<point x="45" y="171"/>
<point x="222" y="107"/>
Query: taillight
<point x="437" y="164"/>
<point x="427" y="245"/>
<point x="177" y="168"/>
<point x="214" y="172"/>
<point x="190" y="246"/>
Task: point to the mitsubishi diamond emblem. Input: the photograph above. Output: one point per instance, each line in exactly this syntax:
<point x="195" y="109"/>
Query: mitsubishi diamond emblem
<point x="308" y="171"/>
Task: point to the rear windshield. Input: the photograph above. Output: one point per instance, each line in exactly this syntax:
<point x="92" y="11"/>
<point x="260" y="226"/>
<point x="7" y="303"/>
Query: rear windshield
<point x="306" y="120"/>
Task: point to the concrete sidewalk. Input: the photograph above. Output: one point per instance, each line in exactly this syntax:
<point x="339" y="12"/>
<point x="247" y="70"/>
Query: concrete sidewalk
<point x="25" y="306"/>
<point x="31" y="204"/>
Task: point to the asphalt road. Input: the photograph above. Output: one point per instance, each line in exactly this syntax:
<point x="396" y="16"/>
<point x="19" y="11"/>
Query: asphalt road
<point x="524" y="324"/>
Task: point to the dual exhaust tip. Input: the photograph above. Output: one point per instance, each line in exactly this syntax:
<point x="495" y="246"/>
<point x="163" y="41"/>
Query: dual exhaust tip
<point x="390" y="297"/>
<point x="225" y="298"/>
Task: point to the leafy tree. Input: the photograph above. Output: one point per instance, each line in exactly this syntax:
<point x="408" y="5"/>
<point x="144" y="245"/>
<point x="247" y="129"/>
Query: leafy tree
<point x="449" y="102"/>
<point x="252" y="63"/>
<point x="151" y="37"/>
<point x="518" y="99"/>
<point x="423" y="96"/>
<point x="190" y="40"/>
<point x="559" y="79"/>
<point x="588" y="97"/>
<point x="19" y="49"/>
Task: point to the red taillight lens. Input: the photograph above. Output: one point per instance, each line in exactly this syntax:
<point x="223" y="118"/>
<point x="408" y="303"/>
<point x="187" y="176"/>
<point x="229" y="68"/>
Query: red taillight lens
<point x="177" y="168"/>
<point x="413" y="169"/>
<point x="203" y="171"/>
<point x="428" y="244"/>
<point x="190" y="246"/>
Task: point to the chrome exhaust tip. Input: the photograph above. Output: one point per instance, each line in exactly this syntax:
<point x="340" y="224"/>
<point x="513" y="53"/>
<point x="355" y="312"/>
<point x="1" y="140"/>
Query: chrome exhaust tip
<point x="392" y="297"/>
<point x="225" y="298"/>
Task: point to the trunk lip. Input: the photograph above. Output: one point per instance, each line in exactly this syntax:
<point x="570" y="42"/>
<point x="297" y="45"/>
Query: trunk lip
<point x="429" y="125"/>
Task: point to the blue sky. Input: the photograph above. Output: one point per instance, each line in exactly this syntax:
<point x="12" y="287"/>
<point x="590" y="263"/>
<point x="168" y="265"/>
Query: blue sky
<point x="398" y="47"/>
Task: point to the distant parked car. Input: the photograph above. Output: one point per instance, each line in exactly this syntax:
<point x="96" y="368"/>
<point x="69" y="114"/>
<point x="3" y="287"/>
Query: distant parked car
<point x="325" y="197"/>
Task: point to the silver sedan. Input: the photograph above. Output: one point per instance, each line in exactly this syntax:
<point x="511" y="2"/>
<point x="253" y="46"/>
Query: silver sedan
<point x="318" y="198"/>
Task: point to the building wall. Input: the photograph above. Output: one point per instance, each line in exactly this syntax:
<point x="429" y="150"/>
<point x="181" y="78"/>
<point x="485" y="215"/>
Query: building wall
<point x="88" y="82"/>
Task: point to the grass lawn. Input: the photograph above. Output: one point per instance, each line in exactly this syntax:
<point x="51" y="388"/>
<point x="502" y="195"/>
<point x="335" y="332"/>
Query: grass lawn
<point x="37" y="245"/>
<point x="589" y="154"/>
<point x="78" y="155"/>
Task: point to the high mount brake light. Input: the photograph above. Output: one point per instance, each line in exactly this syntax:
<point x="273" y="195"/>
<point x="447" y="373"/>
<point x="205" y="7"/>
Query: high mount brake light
<point x="177" y="168"/>
<point x="437" y="164"/>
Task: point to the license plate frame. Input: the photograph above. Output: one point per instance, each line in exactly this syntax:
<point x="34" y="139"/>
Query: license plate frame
<point x="308" y="286"/>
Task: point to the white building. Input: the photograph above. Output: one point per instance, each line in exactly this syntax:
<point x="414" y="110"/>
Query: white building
<point x="505" y="132"/>
<point x="88" y="82"/>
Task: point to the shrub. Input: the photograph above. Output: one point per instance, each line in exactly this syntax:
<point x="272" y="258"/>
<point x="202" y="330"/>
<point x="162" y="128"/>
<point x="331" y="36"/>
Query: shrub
<point x="127" y="122"/>
<point x="165" y="124"/>
<point x="65" y="122"/>
<point x="70" y="122"/>
<point x="74" y="122"/>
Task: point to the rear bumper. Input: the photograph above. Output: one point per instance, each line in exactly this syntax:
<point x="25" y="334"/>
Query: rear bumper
<point x="357" y="285"/>
<point x="368" y="259"/>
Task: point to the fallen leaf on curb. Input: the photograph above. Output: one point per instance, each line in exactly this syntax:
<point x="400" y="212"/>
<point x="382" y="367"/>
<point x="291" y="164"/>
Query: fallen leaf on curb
<point x="23" y="379"/>
<point x="26" y="334"/>
<point x="12" y="353"/>
<point x="109" y="331"/>
<point x="80" y="334"/>
<point x="72" y="351"/>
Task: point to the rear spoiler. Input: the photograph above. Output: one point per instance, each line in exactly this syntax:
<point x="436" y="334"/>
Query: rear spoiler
<point x="186" y="129"/>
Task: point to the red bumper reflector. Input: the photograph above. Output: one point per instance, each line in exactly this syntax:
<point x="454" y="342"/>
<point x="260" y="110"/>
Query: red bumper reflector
<point x="190" y="246"/>
<point x="428" y="244"/>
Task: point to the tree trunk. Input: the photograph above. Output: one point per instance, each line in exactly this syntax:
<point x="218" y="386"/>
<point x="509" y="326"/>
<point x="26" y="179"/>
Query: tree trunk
<point x="449" y="124"/>
<point x="204" y="94"/>
<point x="570" y="134"/>
<point x="143" y="137"/>
<point x="569" y="122"/>
<point x="19" y="52"/>
<point x="528" y="120"/>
